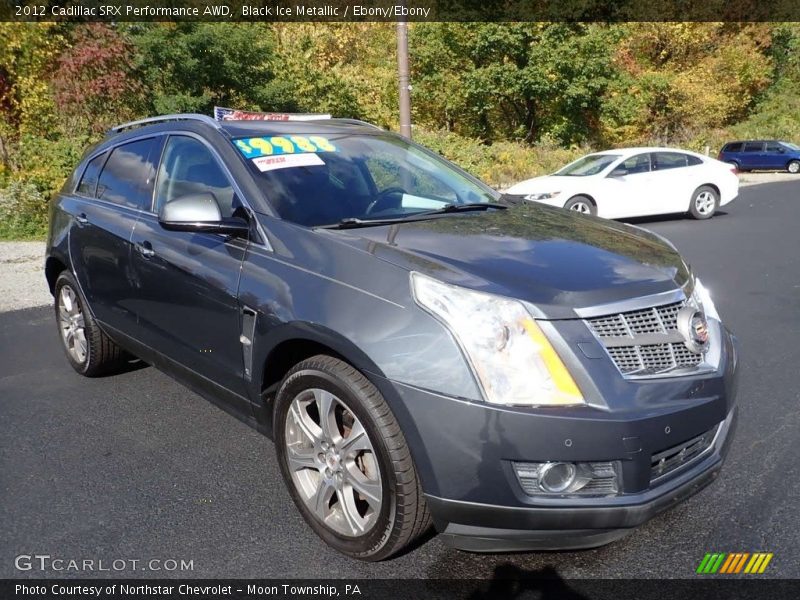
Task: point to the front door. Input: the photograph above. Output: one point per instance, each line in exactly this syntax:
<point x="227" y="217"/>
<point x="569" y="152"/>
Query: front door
<point x="187" y="283"/>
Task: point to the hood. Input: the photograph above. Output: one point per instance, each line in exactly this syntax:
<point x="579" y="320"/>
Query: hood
<point x="557" y="260"/>
<point x="545" y="183"/>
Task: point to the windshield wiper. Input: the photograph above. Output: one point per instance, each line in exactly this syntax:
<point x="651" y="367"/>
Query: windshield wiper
<point x="354" y="222"/>
<point x="455" y="207"/>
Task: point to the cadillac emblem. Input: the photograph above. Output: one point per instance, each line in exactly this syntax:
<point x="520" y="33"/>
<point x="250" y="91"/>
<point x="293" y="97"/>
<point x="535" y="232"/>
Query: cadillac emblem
<point x="693" y="327"/>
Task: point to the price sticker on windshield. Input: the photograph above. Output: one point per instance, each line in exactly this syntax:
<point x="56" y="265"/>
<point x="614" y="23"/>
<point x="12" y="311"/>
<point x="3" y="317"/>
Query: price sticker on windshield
<point x="276" y="145"/>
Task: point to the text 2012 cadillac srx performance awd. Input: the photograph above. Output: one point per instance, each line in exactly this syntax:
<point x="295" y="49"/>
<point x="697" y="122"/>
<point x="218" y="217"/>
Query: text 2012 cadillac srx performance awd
<point x="422" y="350"/>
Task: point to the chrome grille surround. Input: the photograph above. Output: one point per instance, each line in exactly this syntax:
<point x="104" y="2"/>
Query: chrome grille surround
<point x="645" y="342"/>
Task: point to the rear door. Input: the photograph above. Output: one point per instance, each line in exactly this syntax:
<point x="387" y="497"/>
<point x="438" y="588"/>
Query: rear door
<point x="186" y="296"/>
<point x="675" y="176"/>
<point x="752" y="155"/>
<point x="114" y="189"/>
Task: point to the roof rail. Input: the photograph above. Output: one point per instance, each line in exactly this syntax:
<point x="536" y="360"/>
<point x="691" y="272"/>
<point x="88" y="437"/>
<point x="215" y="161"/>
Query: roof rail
<point x="163" y="118"/>
<point x="360" y="122"/>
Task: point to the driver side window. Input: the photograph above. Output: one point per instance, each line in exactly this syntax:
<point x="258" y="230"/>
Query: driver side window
<point x="634" y="165"/>
<point x="387" y="174"/>
<point x="188" y="167"/>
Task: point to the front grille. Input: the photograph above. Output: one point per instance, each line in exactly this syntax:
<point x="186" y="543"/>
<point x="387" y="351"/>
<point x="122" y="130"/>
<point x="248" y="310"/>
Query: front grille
<point x="682" y="455"/>
<point x="645" y="341"/>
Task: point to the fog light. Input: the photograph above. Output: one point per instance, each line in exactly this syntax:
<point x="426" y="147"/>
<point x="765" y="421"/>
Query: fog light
<point x="568" y="478"/>
<point x="556" y="477"/>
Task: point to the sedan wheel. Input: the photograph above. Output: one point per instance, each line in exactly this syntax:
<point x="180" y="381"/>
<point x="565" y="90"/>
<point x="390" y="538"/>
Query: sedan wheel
<point x="333" y="463"/>
<point x="581" y="204"/>
<point x="705" y="201"/>
<point x="794" y="167"/>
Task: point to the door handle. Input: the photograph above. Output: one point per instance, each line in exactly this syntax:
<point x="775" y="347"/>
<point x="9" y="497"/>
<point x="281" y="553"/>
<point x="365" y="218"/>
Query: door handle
<point x="82" y="219"/>
<point x="145" y="249"/>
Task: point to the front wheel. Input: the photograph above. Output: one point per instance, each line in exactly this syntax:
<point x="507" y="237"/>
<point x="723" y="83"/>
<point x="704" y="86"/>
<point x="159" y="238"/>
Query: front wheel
<point x="705" y="202"/>
<point x="346" y="462"/>
<point x="581" y="204"/>
<point x="793" y="167"/>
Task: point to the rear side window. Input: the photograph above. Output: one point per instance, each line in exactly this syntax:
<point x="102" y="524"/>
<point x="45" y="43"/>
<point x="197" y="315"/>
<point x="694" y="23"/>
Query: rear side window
<point x="693" y="161"/>
<point x="129" y="174"/>
<point x="188" y="167"/>
<point x="735" y="147"/>
<point x="88" y="183"/>
<point x="753" y="146"/>
<point x="668" y="160"/>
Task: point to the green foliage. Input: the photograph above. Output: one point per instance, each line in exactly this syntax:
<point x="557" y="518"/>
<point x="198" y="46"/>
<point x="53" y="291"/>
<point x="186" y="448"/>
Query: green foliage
<point x="499" y="164"/>
<point x="190" y="66"/>
<point x="23" y="212"/>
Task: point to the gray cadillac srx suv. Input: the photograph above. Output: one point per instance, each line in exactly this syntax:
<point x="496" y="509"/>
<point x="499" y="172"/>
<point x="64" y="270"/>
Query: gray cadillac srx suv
<point x="423" y="350"/>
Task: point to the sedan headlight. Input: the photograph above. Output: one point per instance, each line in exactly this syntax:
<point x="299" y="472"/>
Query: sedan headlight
<point x="702" y="298"/>
<point x="511" y="357"/>
<point x="542" y="195"/>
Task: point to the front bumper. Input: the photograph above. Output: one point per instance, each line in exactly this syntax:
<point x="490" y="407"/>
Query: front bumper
<point x="464" y="453"/>
<point x="486" y="528"/>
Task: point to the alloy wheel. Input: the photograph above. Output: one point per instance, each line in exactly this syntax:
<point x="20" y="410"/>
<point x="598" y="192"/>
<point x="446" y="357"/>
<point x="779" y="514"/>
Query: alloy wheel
<point x="705" y="202"/>
<point x="72" y="325"/>
<point x="581" y="207"/>
<point x="333" y="463"/>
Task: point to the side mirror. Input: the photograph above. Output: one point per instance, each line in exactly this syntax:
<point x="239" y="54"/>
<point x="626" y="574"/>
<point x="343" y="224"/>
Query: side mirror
<point x="200" y="213"/>
<point x="618" y="173"/>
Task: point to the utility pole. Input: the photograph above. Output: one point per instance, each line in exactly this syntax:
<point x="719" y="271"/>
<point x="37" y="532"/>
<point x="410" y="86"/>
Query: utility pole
<point x="403" y="79"/>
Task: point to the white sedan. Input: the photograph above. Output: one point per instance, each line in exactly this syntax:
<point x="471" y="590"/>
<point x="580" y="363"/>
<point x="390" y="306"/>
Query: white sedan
<point x="635" y="182"/>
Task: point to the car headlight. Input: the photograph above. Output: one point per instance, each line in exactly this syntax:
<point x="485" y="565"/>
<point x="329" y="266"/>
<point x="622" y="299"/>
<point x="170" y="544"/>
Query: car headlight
<point x="702" y="298"/>
<point x="513" y="360"/>
<point x="542" y="195"/>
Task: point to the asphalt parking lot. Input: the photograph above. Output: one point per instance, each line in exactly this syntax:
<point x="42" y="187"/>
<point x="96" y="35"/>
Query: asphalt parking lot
<point x="136" y="467"/>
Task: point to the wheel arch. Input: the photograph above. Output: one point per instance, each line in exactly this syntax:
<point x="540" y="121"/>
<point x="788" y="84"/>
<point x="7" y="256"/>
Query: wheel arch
<point x="53" y="267"/>
<point x="288" y="344"/>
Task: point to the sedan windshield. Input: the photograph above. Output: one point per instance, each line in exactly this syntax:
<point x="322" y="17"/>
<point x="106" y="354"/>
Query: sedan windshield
<point x="588" y="165"/>
<point x="791" y="145"/>
<point x="325" y="179"/>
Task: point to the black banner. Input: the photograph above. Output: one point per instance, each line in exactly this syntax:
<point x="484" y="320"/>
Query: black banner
<point x="399" y="10"/>
<point x="510" y="586"/>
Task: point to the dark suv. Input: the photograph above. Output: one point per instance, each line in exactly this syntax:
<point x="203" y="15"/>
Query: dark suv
<point x="769" y="155"/>
<point x="421" y="349"/>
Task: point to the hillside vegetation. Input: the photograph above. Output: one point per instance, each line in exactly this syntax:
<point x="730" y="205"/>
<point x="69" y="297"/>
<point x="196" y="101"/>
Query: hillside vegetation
<point x="505" y="101"/>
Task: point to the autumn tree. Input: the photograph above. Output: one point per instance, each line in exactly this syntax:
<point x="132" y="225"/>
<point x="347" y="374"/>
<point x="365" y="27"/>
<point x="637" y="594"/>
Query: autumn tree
<point x="95" y="83"/>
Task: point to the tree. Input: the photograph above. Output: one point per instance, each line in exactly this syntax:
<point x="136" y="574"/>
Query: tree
<point x="190" y="66"/>
<point x="523" y="80"/>
<point x="95" y="84"/>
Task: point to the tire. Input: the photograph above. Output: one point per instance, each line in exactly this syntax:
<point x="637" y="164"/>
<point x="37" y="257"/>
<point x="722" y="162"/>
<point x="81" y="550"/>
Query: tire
<point x="793" y="167"/>
<point x="89" y="350"/>
<point x="581" y="204"/>
<point x="705" y="202"/>
<point x="315" y="466"/>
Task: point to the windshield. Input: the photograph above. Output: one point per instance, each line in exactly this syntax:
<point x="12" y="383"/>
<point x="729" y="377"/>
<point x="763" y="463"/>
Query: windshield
<point x="325" y="179"/>
<point x="588" y="165"/>
<point x="791" y="145"/>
